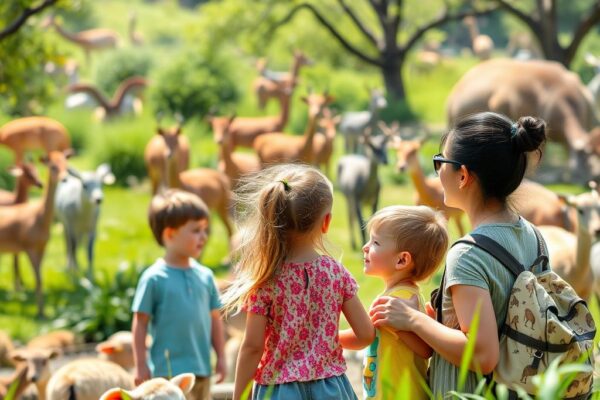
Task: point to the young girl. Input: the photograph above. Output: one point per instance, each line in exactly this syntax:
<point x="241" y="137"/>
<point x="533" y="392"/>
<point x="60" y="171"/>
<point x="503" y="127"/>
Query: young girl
<point x="293" y="294"/>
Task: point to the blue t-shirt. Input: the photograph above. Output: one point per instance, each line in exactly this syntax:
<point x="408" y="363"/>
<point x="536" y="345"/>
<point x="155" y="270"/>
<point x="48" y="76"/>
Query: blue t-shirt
<point x="179" y="302"/>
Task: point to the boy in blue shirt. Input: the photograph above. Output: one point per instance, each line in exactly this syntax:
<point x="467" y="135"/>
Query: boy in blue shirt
<point x="177" y="299"/>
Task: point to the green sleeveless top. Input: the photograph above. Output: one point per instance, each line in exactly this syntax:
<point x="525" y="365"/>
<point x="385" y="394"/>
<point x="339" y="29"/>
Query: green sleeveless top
<point x="469" y="265"/>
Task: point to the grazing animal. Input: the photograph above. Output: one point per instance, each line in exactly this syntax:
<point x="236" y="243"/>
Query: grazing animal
<point x="358" y="180"/>
<point x="38" y="370"/>
<point x="482" y="45"/>
<point x="125" y="100"/>
<point x="118" y="348"/>
<point x="542" y="88"/>
<point x="86" y="379"/>
<point x="429" y="191"/>
<point x="33" y="133"/>
<point x="354" y="123"/>
<point x="135" y="37"/>
<point x="155" y="389"/>
<point x="59" y="341"/>
<point x="77" y="207"/>
<point x="167" y="144"/>
<point x="324" y="138"/>
<point x="279" y="148"/>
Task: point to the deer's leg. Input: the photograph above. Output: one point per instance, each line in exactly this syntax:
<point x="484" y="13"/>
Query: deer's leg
<point x="71" y="241"/>
<point x="17" y="280"/>
<point x="90" y="255"/>
<point x="351" y="217"/>
<point x="35" y="257"/>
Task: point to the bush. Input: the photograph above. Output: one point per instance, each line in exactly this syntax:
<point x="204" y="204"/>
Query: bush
<point x="193" y="84"/>
<point x="120" y="65"/>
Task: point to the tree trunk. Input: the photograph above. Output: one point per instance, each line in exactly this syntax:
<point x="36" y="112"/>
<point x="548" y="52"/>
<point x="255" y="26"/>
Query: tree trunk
<point x="392" y="76"/>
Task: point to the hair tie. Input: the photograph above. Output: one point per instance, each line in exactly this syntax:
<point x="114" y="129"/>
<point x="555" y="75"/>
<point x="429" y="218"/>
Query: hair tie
<point x="286" y="185"/>
<point x="514" y="128"/>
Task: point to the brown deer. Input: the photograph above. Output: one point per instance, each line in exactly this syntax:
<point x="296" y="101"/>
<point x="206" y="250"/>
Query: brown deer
<point x="324" y="138"/>
<point x="279" y="148"/>
<point x="26" y="227"/>
<point x="165" y="145"/>
<point x="135" y="37"/>
<point x="234" y="165"/>
<point x="122" y="102"/>
<point x="27" y="176"/>
<point x="32" y="133"/>
<point x="88" y="40"/>
<point x="244" y="130"/>
<point x="482" y="45"/>
<point x="429" y="191"/>
<point x="272" y="84"/>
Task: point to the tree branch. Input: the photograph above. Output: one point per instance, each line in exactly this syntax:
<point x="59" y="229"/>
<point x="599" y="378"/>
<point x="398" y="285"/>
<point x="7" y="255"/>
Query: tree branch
<point x="518" y="14"/>
<point x="331" y="29"/>
<point x="358" y="23"/>
<point x="583" y="29"/>
<point x="440" y="20"/>
<point x="28" y="12"/>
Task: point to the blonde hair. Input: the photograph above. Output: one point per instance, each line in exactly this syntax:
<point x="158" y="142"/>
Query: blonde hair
<point x="420" y="230"/>
<point x="174" y="208"/>
<point x="273" y="206"/>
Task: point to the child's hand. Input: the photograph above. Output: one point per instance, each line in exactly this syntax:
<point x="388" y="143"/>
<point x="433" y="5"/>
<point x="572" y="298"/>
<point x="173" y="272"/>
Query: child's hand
<point x="142" y="374"/>
<point x="221" y="369"/>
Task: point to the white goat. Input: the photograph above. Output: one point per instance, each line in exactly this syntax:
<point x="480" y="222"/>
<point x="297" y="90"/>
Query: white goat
<point x="155" y="389"/>
<point x="77" y="204"/>
<point x="86" y="379"/>
<point x="354" y="123"/>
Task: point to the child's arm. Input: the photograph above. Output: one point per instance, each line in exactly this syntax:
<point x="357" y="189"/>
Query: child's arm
<point x="250" y="353"/>
<point x="362" y="332"/>
<point x="139" y="330"/>
<point x="415" y="343"/>
<point x="218" y="343"/>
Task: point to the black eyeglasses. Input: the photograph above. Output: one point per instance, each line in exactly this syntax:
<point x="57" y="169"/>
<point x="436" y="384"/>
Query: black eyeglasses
<point x="438" y="160"/>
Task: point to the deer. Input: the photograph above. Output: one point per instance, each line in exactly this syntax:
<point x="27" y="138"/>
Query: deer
<point x="276" y="147"/>
<point x="358" y="180"/>
<point x="32" y="133"/>
<point x="26" y="227"/>
<point x="429" y="191"/>
<point x="135" y="37"/>
<point x="88" y="40"/>
<point x="535" y="87"/>
<point x="324" y="138"/>
<point x="482" y="45"/>
<point x="27" y="177"/>
<point x="354" y="123"/>
<point x="167" y="144"/>
<point x="125" y="99"/>
<point x="234" y="165"/>
<point x="244" y="130"/>
<point x="570" y="253"/>
<point x="271" y="84"/>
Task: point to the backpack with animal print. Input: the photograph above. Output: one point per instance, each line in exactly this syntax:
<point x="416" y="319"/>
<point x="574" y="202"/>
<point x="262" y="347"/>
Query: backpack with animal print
<point x="545" y="320"/>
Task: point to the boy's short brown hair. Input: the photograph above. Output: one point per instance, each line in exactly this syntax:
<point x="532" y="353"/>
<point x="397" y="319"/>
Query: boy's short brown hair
<point x="420" y="230"/>
<point x="174" y="208"/>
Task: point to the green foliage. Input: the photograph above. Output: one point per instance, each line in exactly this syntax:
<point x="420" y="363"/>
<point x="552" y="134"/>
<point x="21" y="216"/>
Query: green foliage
<point x="77" y="15"/>
<point x="194" y="83"/>
<point x="119" y="65"/>
<point x="105" y="308"/>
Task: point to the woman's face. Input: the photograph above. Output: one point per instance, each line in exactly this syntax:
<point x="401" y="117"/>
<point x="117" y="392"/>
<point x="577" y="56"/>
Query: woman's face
<point x="450" y="178"/>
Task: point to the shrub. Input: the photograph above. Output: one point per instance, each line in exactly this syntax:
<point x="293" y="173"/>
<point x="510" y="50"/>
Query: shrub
<point x="119" y="65"/>
<point x="194" y="83"/>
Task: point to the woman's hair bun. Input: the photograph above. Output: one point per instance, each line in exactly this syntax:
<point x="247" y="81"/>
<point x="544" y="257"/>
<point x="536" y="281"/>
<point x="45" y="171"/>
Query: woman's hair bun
<point x="530" y="133"/>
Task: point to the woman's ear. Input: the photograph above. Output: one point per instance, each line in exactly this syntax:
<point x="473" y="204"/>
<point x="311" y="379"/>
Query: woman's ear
<point x="326" y="223"/>
<point x="465" y="177"/>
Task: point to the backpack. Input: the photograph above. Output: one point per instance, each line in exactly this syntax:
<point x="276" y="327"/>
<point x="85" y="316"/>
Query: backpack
<point x="545" y="320"/>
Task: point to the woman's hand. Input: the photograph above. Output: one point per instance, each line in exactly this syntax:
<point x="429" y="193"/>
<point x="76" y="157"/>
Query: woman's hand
<point x="394" y="312"/>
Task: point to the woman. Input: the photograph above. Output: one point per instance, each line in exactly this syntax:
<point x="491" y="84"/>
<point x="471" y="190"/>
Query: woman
<point x="483" y="160"/>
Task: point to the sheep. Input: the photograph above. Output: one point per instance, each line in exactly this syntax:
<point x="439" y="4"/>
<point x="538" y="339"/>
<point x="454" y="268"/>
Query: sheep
<point x="37" y="361"/>
<point x="77" y="207"/>
<point x="87" y="379"/>
<point x="155" y="389"/>
<point x="118" y="348"/>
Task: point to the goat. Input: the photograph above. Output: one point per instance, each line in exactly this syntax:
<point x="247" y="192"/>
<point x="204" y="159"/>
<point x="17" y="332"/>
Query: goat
<point x="26" y="227"/>
<point x="27" y="176"/>
<point x="18" y="378"/>
<point x="32" y="133"/>
<point x="155" y="389"/>
<point x="244" y="130"/>
<point x="429" y="191"/>
<point x="77" y="207"/>
<point x="324" y="138"/>
<point x="166" y="145"/>
<point x="358" y="180"/>
<point x="570" y="253"/>
<point x="354" y="123"/>
<point x="274" y="84"/>
<point x="278" y="148"/>
<point x="234" y="165"/>
<point x="86" y="379"/>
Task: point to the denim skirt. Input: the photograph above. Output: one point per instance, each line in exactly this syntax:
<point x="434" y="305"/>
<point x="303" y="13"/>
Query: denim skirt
<point x="334" y="388"/>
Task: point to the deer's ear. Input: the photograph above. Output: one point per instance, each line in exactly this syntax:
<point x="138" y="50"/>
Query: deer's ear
<point x="184" y="381"/>
<point x="69" y="153"/>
